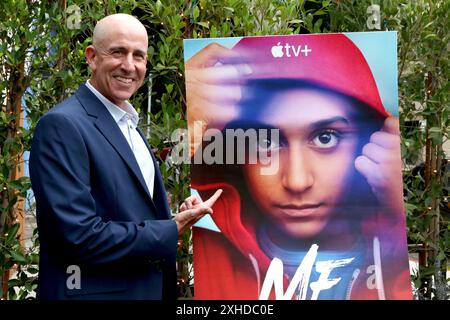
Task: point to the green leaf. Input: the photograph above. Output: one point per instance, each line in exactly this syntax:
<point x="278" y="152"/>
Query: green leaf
<point x="320" y="13"/>
<point x="441" y="256"/>
<point x="430" y="36"/>
<point x="28" y="286"/>
<point x="203" y="24"/>
<point x="12" y="232"/>
<point x="410" y="207"/>
<point x="195" y="13"/>
<point x="34" y="258"/>
<point x="13" y="282"/>
<point x="32" y="270"/>
<point x="16" y="184"/>
<point x="17" y="256"/>
<point x="435" y="129"/>
<point x="158" y="6"/>
<point x="213" y="32"/>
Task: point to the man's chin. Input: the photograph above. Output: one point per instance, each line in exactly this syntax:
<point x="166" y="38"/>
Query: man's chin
<point x="120" y="98"/>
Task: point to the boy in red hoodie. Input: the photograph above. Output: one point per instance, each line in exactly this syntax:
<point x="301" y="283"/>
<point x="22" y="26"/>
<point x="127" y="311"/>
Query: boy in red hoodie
<point x="328" y="222"/>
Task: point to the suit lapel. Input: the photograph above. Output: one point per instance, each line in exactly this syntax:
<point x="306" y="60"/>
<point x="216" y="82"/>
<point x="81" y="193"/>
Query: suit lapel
<point x="159" y="192"/>
<point x="111" y="131"/>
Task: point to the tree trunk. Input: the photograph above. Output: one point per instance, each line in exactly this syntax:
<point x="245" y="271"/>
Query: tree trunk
<point x="4" y="284"/>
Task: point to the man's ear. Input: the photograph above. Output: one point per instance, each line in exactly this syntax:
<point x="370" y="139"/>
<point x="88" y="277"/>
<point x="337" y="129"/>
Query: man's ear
<point x="90" y="57"/>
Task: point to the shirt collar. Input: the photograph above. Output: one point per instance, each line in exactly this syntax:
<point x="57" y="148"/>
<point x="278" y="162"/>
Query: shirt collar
<point x="116" y="112"/>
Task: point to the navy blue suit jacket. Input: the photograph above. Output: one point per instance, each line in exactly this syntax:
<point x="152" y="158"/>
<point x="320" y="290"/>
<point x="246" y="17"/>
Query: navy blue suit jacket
<point x="94" y="210"/>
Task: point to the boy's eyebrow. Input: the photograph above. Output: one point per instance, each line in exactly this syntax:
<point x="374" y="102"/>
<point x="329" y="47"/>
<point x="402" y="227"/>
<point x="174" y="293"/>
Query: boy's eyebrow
<point x="327" y="122"/>
<point x="257" y="124"/>
<point x="253" y="124"/>
<point x="260" y="125"/>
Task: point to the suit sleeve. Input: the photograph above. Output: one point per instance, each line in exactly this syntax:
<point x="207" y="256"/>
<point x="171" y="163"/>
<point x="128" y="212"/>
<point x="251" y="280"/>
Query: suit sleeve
<point x="60" y="176"/>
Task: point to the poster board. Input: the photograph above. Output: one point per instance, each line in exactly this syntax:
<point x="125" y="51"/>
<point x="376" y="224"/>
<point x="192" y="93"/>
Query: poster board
<point x="301" y="134"/>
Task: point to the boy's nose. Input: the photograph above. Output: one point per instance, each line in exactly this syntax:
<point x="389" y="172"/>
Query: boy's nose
<point x="297" y="173"/>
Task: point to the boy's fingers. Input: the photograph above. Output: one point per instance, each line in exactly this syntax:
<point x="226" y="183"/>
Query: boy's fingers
<point x="227" y="73"/>
<point x="212" y="54"/>
<point x="375" y="152"/>
<point x="217" y="94"/>
<point x="366" y="166"/>
<point x="385" y="139"/>
<point x="391" y="125"/>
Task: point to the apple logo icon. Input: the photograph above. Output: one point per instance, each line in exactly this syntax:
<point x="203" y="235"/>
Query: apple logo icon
<point x="277" y="51"/>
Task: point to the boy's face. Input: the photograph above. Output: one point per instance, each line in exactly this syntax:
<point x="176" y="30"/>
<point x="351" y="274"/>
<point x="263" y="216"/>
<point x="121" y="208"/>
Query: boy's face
<point x="316" y="152"/>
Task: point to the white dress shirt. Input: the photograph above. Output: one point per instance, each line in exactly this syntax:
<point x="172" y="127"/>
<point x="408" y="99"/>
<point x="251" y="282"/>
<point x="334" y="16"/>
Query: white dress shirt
<point x="127" y="120"/>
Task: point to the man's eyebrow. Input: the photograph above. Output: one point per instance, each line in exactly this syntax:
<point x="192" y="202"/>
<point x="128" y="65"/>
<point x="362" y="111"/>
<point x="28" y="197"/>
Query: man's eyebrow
<point x="117" y="48"/>
<point x="327" y="122"/>
<point x="142" y="52"/>
<point x="122" y="49"/>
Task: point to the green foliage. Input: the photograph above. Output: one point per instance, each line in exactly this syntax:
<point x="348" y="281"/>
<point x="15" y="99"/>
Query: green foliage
<point x="423" y="71"/>
<point x="423" y="78"/>
<point x="23" y="263"/>
<point x="42" y="61"/>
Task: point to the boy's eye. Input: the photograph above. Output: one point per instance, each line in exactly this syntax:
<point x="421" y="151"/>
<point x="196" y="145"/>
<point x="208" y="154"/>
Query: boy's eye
<point x="326" y="139"/>
<point x="267" y="144"/>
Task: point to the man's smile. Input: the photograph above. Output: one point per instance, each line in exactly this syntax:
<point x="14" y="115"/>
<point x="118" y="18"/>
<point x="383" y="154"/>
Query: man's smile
<point x="123" y="79"/>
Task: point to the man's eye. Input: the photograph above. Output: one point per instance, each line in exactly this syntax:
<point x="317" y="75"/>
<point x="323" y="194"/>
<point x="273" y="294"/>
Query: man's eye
<point x="326" y="139"/>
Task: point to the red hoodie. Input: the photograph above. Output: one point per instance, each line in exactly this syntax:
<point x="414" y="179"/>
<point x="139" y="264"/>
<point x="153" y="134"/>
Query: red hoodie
<point x="230" y="265"/>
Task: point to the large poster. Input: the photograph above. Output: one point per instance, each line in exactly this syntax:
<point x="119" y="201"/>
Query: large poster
<point x="302" y="135"/>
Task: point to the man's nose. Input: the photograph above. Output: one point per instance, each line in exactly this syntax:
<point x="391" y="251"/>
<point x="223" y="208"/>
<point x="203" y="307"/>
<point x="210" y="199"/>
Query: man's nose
<point x="297" y="173"/>
<point x="128" y="63"/>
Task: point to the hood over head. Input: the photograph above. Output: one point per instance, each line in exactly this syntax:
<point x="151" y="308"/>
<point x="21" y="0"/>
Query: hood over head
<point x="331" y="61"/>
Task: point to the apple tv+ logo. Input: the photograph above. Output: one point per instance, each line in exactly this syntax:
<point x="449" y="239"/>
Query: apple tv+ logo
<point x="279" y="50"/>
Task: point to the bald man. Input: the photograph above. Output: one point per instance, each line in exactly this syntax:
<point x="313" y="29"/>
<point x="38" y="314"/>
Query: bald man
<point x="105" y="226"/>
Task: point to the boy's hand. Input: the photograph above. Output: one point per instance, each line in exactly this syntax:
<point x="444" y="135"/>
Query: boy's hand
<point x="213" y="90"/>
<point x="380" y="164"/>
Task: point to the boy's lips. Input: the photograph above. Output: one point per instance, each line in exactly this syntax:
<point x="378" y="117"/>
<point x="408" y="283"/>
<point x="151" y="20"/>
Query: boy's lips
<point x="301" y="210"/>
